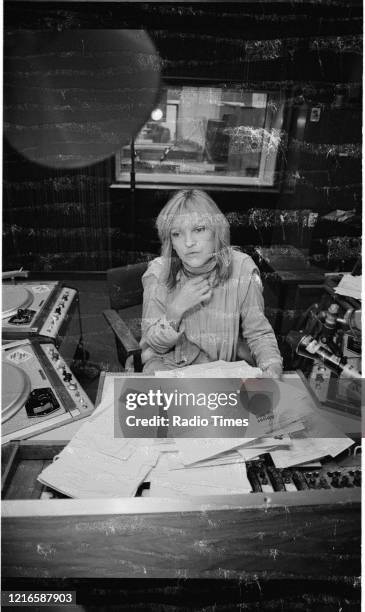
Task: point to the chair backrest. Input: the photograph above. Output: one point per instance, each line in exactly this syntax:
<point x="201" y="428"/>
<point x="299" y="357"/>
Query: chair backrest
<point x="125" y="285"/>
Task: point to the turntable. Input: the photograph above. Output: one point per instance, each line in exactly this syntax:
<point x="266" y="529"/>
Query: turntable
<point x="39" y="391"/>
<point x="32" y="309"/>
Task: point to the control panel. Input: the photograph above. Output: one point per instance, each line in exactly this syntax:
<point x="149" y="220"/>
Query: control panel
<point x="67" y="379"/>
<point x="58" y="313"/>
<point x="264" y="477"/>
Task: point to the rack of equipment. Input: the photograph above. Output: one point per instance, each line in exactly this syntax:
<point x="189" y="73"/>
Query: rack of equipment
<point x="328" y="343"/>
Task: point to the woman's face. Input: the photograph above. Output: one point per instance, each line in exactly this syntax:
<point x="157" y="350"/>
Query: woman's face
<point x="192" y="239"/>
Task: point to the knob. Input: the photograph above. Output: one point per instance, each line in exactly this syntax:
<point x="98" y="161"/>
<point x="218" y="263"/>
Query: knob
<point x="67" y="377"/>
<point x="72" y="386"/>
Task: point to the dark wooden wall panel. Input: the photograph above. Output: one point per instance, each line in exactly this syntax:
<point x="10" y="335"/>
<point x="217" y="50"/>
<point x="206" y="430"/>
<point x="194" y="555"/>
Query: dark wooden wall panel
<point x="311" y="51"/>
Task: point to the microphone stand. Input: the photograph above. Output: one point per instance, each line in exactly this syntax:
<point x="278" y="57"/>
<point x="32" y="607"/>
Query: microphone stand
<point x="132" y="196"/>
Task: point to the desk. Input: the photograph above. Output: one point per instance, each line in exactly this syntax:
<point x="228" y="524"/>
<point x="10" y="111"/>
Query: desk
<point x="299" y="544"/>
<point x="347" y="424"/>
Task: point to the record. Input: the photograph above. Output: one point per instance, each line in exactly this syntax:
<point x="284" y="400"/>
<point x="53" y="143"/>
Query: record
<point x="15" y="390"/>
<point x="15" y="297"/>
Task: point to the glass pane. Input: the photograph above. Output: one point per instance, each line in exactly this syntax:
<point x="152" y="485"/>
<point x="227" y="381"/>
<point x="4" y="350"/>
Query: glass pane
<point x="209" y="134"/>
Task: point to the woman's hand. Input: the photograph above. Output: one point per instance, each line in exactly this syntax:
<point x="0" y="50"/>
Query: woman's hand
<point x="274" y="370"/>
<point x="194" y="292"/>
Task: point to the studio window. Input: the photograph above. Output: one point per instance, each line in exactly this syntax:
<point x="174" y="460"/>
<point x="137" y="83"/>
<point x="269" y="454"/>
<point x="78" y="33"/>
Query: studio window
<point x="208" y="135"/>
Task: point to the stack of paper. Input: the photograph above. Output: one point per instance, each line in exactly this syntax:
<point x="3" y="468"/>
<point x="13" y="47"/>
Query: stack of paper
<point x="171" y="479"/>
<point x="350" y="286"/>
<point x="96" y="464"/>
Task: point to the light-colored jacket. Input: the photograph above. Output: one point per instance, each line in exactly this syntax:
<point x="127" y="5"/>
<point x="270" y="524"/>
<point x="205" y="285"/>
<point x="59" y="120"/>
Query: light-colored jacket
<point x="236" y="308"/>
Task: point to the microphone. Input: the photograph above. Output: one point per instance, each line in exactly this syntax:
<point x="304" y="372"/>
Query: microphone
<point x="308" y="347"/>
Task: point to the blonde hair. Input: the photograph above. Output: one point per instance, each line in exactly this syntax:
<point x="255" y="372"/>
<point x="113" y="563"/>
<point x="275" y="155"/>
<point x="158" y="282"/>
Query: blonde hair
<point x="188" y="201"/>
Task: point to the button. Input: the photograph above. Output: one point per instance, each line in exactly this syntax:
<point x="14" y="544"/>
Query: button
<point x="72" y="386"/>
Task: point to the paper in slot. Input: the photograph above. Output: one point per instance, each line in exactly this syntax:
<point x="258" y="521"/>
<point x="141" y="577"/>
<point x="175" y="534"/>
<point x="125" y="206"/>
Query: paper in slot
<point x="202" y="481"/>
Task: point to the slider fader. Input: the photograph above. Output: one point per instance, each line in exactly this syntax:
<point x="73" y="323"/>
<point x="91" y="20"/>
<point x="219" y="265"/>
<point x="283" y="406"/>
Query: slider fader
<point x="265" y="477"/>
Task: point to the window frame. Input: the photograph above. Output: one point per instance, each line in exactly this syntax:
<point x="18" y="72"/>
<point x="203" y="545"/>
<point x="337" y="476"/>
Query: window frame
<point x="161" y="180"/>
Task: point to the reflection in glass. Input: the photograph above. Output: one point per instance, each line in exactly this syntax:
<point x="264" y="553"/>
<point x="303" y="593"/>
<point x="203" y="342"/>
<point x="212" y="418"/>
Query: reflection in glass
<point x="209" y="135"/>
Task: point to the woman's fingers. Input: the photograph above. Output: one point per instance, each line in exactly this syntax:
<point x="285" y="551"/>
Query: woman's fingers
<point x="198" y="281"/>
<point x="207" y="294"/>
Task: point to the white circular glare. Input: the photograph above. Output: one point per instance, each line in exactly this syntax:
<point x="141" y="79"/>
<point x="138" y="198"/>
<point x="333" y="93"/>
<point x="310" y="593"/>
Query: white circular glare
<point x="156" y="114"/>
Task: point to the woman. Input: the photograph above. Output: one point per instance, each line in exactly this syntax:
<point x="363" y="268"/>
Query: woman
<point x="201" y="293"/>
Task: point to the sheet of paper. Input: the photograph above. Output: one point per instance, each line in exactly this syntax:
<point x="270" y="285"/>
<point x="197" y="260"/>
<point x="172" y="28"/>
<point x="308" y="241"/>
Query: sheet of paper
<point x="224" y="459"/>
<point x="213" y="369"/>
<point x="350" y="286"/>
<point x="198" y="449"/>
<point x="217" y="480"/>
<point x="306" y="450"/>
<point x="84" y="473"/>
<point x="243" y="453"/>
<point x="266" y="445"/>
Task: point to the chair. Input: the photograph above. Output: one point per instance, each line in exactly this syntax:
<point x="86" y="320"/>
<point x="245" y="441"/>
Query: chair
<point x="124" y="316"/>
